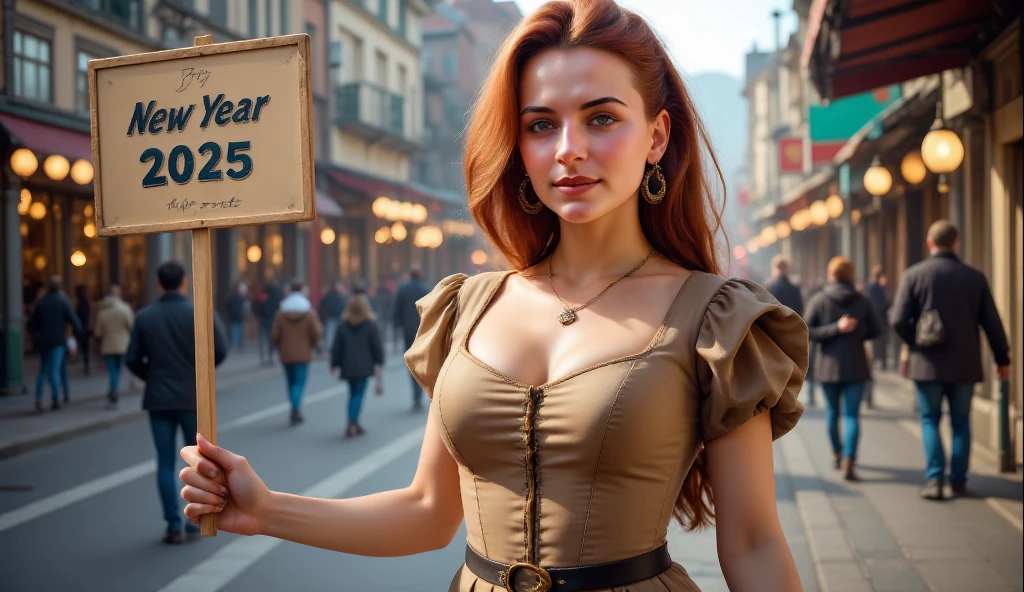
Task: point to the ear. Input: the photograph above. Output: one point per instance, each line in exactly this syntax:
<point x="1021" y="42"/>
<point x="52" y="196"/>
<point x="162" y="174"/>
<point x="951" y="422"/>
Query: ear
<point x="659" y="130"/>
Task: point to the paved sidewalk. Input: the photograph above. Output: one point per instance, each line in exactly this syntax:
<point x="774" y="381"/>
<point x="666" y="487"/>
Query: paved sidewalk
<point x="22" y="429"/>
<point x="877" y="534"/>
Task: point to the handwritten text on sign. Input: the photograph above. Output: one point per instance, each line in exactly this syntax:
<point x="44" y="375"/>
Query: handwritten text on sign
<point x="216" y="138"/>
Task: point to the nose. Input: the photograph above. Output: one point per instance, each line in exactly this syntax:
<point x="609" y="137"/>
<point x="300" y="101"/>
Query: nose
<point x="572" y="146"/>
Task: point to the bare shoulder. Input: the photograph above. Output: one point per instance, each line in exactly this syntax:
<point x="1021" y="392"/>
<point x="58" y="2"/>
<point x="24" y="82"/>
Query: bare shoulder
<point x="660" y="266"/>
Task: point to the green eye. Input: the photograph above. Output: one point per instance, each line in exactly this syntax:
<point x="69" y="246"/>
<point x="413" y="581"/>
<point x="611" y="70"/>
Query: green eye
<point x="604" y="120"/>
<point x="540" y="126"/>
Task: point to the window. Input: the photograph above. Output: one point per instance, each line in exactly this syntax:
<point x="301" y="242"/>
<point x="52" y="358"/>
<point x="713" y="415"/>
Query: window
<point x="266" y="18"/>
<point x="219" y="12"/>
<point x="82" y="81"/>
<point x="283" y="25"/>
<point x="254" y="10"/>
<point x="401" y="17"/>
<point x="33" y="68"/>
<point x="311" y="31"/>
<point x="450" y="65"/>
<point x="382" y="11"/>
<point x="126" y="12"/>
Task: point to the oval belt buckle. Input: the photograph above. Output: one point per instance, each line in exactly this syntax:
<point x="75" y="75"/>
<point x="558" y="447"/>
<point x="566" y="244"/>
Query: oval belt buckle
<point x="526" y="577"/>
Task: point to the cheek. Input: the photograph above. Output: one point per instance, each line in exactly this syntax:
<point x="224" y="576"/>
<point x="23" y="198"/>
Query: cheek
<point x="621" y="158"/>
<point x="537" y="155"/>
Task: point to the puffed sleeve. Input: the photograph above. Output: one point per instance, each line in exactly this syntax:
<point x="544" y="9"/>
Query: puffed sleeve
<point x="751" y="357"/>
<point x="433" y="339"/>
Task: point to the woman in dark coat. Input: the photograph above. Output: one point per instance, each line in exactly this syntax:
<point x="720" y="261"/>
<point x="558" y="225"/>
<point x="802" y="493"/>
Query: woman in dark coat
<point x="841" y="319"/>
<point x="357" y="355"/>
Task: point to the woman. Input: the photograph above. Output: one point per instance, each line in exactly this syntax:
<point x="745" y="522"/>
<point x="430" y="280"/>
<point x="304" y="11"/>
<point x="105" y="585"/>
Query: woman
<point x="609" y="382"/>
<point x="841" y="320"/>
<point x="113" y="330"/>
<point x="296" y="332"/>
<point x="357" y="355"/>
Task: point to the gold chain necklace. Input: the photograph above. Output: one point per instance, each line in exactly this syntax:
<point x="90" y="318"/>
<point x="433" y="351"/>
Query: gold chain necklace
<point x="568" y="314"/>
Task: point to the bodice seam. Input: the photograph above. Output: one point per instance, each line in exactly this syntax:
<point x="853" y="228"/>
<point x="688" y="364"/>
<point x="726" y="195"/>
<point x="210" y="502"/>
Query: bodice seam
<point x="600" y="454"/>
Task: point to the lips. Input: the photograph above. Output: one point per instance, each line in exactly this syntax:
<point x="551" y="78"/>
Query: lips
<point x="577" y="181"/>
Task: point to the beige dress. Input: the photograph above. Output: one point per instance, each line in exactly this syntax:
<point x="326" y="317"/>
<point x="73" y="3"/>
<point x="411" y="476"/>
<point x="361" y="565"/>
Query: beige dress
<point x="611" y="443"/>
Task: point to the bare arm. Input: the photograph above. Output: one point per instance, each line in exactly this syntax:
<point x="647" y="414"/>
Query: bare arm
<point x="421" y="517"/>
<point x="752" y="549"/>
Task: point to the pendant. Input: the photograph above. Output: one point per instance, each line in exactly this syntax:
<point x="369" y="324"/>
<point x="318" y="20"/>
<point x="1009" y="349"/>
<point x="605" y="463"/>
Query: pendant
<point x="566" y="317"/>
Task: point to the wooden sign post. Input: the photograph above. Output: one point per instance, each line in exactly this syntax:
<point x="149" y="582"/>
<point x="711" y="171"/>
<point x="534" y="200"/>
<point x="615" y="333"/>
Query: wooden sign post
<point x="218" y="135"/>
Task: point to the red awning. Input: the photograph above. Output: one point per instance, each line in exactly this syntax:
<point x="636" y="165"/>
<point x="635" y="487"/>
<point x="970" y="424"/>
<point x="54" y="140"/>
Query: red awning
<point x="854" y="46"/>
<point x="374" y="187"/>
<point x="49" y="139"/>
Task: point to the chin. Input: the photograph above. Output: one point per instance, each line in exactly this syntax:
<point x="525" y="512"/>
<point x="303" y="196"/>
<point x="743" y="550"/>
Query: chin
<point x="580" y="212"/>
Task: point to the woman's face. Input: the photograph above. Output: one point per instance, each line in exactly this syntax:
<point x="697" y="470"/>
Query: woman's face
<point x="583" y="133"/>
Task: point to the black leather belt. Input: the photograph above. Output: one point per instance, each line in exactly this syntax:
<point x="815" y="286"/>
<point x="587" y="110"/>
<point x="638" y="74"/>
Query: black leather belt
<point x="524" y="577"/>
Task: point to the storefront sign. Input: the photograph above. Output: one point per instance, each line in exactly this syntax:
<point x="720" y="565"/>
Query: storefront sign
<point x="206" y="136"/>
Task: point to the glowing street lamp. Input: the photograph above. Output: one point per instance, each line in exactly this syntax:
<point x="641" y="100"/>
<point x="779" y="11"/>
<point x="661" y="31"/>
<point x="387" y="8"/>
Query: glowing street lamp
<point x="877" y="179"/>
<point x="942" y="150"/>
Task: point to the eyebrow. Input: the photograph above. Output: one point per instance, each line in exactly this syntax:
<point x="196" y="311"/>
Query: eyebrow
<point x="583" y="107"/>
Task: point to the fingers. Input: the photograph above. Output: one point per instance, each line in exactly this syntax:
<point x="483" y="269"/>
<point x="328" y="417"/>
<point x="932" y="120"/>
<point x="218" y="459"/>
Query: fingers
<point x="190" y="476"/>
<point x="218" y="455"/>
<point x="201" y="496"/>
<point x="195" y="459"/>
<point x="194" y="510"/>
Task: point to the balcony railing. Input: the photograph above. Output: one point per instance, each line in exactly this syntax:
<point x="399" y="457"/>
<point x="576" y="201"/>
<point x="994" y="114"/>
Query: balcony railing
<point x="370" y="111"/>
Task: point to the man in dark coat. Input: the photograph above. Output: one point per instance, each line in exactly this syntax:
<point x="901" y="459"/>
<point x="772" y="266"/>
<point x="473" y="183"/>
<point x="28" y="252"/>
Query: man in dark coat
<point x="407" y="319"/>
<point x="875" y="292"/>
<point x="48" y="325"/>
<point x="332" y="305"/>
<point x="162" y="352"/>
<point x="265" y="308"/>
<point x="950" y="364"/>
<point x="781" y="288"/>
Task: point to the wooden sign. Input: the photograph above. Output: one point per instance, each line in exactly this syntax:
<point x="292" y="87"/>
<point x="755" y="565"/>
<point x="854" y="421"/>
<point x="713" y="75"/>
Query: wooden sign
<point x="206" y="136"/>
<point x="202" y="137"/>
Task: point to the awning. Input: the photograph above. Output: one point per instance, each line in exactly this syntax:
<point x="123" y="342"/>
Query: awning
<point x="326" y="206"/>
<point x="854" y="46"/>
<point x="373" y="186"/>
<point x="797" y="198"/>
<point x="48" y="139"/>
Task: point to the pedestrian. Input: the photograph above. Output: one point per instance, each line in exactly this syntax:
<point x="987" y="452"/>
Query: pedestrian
<point x="809" y="289"/>
<point x="939" y="306"/>
<point x="83" y="309"/>
<point x="781" y="288"/>
<point x="357" y="354"/>
<point x="406" y="319"/>
<point x="332" y="305"/>
<point x="51" y="318"/>
<point x="237" y="308"/>
<point x="113" y="329"/>
<point x="610" y="380"/>
<point x="840" y="319"/>
<point x="162" y="352"/>
<point x="296" y="332"/>
<point x="875" y="291"/>
<point x="265" y="309"/>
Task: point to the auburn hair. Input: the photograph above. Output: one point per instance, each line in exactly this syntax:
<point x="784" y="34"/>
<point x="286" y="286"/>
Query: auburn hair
<point x="682" y="228"/>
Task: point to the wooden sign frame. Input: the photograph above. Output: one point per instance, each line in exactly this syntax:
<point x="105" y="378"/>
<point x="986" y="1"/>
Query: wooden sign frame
<point x="308" y="210"/>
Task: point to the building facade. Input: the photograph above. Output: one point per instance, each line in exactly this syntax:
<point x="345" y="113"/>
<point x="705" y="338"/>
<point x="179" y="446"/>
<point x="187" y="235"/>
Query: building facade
<point x="876" y="199"/>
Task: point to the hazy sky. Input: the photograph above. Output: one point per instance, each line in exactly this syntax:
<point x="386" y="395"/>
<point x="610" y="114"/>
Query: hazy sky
<point x="709" y="35"/>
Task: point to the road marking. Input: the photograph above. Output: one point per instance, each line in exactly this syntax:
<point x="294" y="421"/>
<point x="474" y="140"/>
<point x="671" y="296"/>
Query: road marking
<point x="88" y="489"/>
<point x="238" y="555"/>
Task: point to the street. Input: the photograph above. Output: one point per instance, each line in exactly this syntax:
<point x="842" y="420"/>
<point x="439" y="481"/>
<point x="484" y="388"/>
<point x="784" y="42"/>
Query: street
<point x="83" y="514"/>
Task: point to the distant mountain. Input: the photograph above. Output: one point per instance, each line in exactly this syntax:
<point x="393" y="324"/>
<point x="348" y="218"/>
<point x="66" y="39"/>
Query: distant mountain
<point x="724" y="111"/>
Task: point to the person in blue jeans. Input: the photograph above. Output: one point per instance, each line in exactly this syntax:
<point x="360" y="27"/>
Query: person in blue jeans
<point x="162" y="352"/>
<point x="944" y="358"/>
<point x="48" y="326"/>
<point x="840" y="320"/>
<point x="113" y="329"/>
<point x="296" y="333"/>
<point x="357" y="354"/>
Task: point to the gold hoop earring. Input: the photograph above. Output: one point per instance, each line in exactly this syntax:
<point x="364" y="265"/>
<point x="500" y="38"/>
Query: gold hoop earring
<point x="653" y="195"/>
<point x="529" y="208"/>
